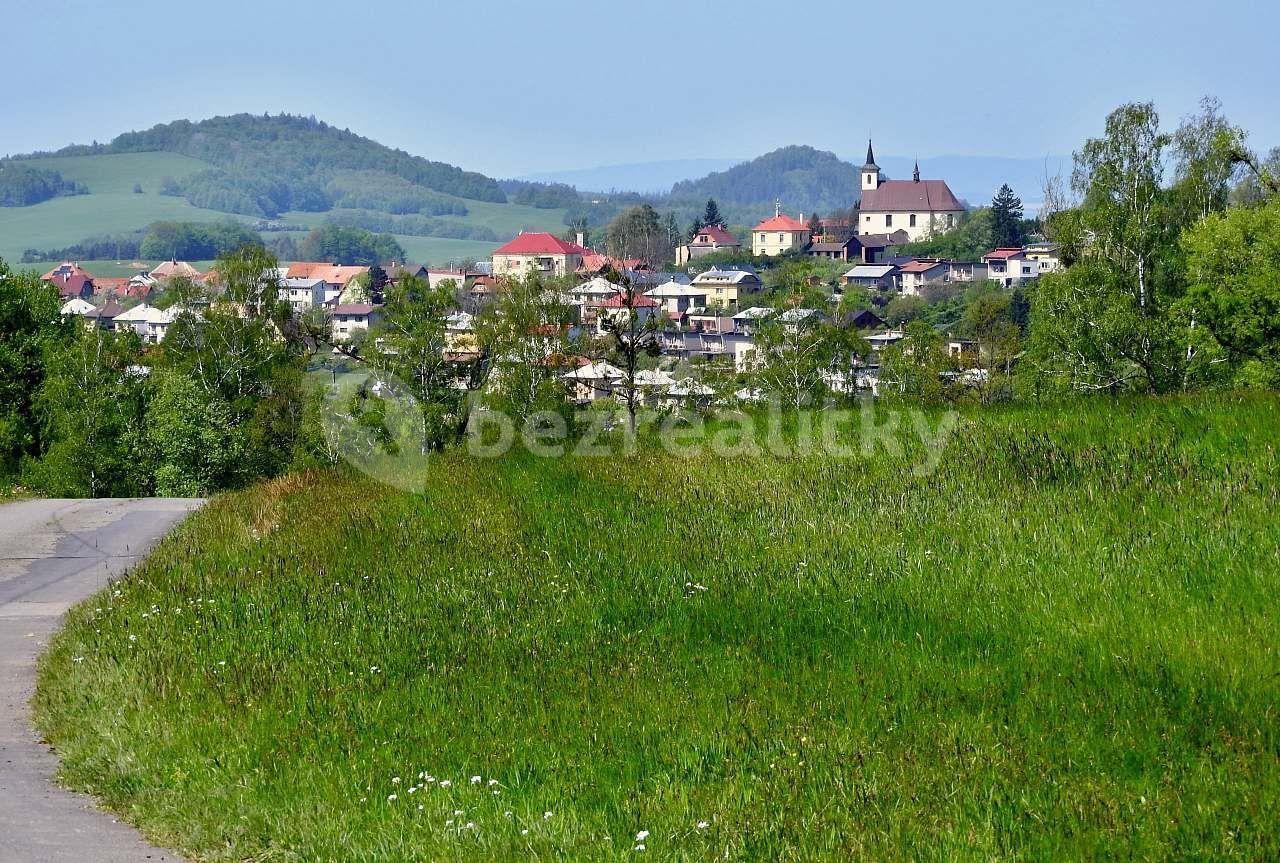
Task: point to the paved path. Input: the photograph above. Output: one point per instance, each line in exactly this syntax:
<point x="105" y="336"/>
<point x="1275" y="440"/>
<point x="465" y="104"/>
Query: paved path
<point x="54" y="553"/>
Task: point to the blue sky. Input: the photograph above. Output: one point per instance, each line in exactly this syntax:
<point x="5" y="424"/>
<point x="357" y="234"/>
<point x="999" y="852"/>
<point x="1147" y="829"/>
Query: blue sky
<point x="513" y="87"/>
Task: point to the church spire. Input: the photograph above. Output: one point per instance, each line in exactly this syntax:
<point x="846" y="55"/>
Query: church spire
<point x="915" y="175"/>
<point x="871" y="156"/>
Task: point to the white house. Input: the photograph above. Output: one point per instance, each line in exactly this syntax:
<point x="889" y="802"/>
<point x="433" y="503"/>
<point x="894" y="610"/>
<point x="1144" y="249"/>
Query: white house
<point x="881" y="276"/>
<point x="915" y="276"/>
<point x="353" y="318"/>
<point x="151" y="324"/>
<point x="780" y="234"/>
<point x="677" y="299"/>
<point x="593" y="381"/>
<point x="618" y="308"/>
<point x="1010" y="266"/>
<point x="305" y="293"/>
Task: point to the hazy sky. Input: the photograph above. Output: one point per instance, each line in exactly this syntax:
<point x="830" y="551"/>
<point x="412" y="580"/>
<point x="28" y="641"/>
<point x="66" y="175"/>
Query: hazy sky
<point x="511" y="87"/>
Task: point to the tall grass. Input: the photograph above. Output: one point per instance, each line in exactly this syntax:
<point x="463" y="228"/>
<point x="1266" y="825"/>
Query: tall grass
<point x="1059" y="645"/>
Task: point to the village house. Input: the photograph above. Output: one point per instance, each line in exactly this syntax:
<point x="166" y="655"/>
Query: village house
<point x="708" y="319"/>
<point x="1046" y="255"/>
<point x="748" y="320"/>
<point x="966" y="271"/>
<point x="593" y="381"/>
<point x="335" y="276"/>
<point x="541" y="253"/>
<point x="353" y="318"/>
<point x="707" y="241"/>
<point x="883" y="277"/>
<point x="76" y="307"/>
<point x="676" y="299"/>
<point x="913" y="277"/>
<point x="862" y="319"/>
<point x="619" y="308"/>
<point x="304" y="294"/>
<point x="151" y="324"/>
<point x="1010" y="266"/>
<point x="919" y="207"/>
<point x="71" y="280"/>
<point x="779" y="234"/>
<point x="460" y="334"/>
<point x="726" y="287"/>
<point x="171" y="268"/>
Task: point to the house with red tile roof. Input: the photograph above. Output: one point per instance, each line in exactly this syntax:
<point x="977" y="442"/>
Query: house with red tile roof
<point x="708" y="240"/>
<point x="1009" y="266"/>
<point x="541" y="253"/>
<point x="916" y="275"/>
<point x="779" y="234"/>
<point x="71" y="280"/>
<point x="919" y="207"/>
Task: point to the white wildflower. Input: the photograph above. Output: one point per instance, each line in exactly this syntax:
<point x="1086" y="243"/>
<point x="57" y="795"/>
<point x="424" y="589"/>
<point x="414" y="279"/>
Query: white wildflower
<point x="642" y="835"/>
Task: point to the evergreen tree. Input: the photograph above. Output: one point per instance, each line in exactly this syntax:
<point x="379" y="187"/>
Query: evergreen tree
<point x="711" y="215"/>
<point x="377" y="282"/>
<point x="815" y="225"/>
<point x="1006" y="217"/>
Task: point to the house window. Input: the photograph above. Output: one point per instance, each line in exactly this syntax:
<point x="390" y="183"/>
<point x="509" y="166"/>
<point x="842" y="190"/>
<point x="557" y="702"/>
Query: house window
<point x="951" y="220"/>
<point x="888" y="221"/>
<point x="868" y="218"/>
<point x="913" y="220"/>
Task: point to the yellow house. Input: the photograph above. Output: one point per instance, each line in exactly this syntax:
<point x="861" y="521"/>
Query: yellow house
<point x="779" y="234"/>
<point x="723" y="288"/>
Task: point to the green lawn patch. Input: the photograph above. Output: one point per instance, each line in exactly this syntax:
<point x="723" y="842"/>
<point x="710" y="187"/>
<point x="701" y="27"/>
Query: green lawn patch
<point x="1059" y="645"/>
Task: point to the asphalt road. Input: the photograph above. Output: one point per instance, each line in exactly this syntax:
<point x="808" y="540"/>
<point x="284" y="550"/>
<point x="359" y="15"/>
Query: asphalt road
<point x="53" y="554"/>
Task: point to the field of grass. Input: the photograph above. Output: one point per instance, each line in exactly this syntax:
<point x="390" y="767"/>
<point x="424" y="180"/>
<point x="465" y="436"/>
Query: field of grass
<point x="1061" y="644"/>
<point x="113" y="207"/>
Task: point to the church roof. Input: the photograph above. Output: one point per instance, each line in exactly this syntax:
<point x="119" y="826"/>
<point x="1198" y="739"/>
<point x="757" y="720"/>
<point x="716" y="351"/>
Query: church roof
<point x="925" y="196"/>
<point x="871" y="156"/>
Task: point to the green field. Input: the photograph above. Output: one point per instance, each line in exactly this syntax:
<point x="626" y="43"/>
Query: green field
<point x="113" y="207"/>
<point x="1061" y="644"/>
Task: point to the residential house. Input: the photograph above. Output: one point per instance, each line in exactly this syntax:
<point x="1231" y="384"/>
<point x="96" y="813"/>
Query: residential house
<point x="725" y="287"/>
<point x="677" y="299"/>
<point x="913" y="277"/>
<point x="708" y="319"/>
<point x="151" y="324"/>
<point x="541" y="253"/>
<point x="169" y="269"/>
<point x="1046" y="255"/>
<point x="619" y="308"/>
<point x="352" y="318"/>
<point x="76" y="306"/>
<point x="335" y="276"/>
<point x="593" y="381"/>
<point x="104" y="316"/>
<point x="438" y="278"/>
<point x="71" y="280"/>
<point x="779" y="234"/>
<point x="883" y="277"/>
<point x="1010" y="266"/>
<point x="304" y="294"/>
<point x="966" y="271"/>
<point x="460" y="334"/>
<point x="862" y="319"/>
<point x="919" y="207"/>
<point x="794" y="320"/>
<point x="748" y="320"/>
<point x="707" y="241"/>
<point x="875" y="247"/>
<point x="848" y="249"/>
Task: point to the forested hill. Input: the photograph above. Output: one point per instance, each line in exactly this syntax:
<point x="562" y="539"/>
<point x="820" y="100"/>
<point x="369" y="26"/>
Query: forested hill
<point x="802" y="178"/>
<point x="265" y="165"/>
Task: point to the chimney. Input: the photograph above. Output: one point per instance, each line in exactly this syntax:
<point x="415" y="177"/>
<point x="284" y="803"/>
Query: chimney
<point x="582" y="239"/>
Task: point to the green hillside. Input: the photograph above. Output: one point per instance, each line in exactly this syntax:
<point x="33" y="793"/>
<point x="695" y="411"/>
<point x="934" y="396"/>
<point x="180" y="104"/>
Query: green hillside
<point x="1057" y="646"/>
<point x="801" y="178"/>
<point x="113" y="207"/>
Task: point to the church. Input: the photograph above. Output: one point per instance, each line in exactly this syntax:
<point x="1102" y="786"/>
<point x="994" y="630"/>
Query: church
<point x="919" y="207"/>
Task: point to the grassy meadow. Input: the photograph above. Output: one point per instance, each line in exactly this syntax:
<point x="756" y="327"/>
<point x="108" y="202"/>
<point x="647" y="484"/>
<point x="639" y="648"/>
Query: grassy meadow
<point x="1061" y="644"/>
<point x="113" y="207"/>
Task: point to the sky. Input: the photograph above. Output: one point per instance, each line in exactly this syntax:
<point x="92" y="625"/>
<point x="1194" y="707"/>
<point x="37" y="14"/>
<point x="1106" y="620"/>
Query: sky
<point x="510" y="88"/>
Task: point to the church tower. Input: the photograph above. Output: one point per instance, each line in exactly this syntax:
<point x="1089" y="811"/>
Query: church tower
<point x="870" y="171"/>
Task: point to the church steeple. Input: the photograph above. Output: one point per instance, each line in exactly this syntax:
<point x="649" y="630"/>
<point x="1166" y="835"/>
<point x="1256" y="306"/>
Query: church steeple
<point x="870" y="171"/>
<point x="915" y="175"/>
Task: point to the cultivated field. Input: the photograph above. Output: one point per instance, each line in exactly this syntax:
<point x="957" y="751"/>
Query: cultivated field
<point x="113" y="207"/>
<point x="1061" y="644"/>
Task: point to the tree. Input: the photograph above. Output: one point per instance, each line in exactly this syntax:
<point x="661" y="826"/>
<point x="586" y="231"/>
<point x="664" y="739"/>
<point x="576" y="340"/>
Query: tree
<point x="711" y="215"/>
<point x="193" y="437"/>
<point x="1234" y="292"/>
<point x="988" y="319"/>
<point x="633" y="334"/>
<point x="639" y="233"/>
<point x="1006" y="219"/>
<point x="410" y="346"/>
<point x="525" y="330"/>
<point x="91" y="405"/>
<point x="796" y="355"/>
<point x="350" y="246"/>
<point x="1206" y="151"/>
<point x="377" y="283"/>
<point x="815" y="225"/>
<point x="30" y="324"/>
<point x="912" y="369"/>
